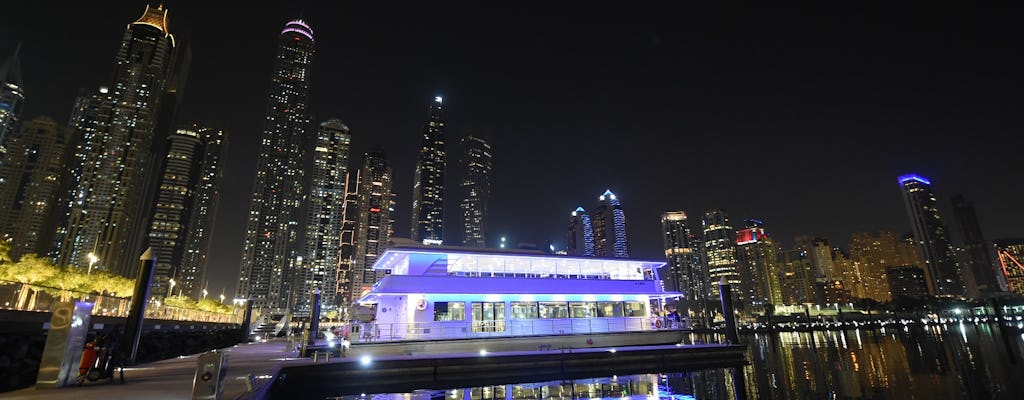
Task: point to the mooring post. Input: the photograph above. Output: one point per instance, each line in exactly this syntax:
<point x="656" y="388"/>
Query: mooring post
<point x="136" y="314"/>
<point x="314" y="317"/>
<point x="725" y="293"/>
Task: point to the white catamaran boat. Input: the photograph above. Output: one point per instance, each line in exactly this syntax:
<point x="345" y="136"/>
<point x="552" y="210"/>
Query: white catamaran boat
<point x="528" y="300"/>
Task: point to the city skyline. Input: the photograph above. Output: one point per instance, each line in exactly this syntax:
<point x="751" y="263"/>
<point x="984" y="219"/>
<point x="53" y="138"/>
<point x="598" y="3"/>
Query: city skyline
<point x="825" y="151"/>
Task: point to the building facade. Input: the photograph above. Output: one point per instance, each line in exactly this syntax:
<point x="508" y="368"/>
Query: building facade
<point x="203" y="211"/>
<point x="977" y="251"/>
<point x="1011" y="259"/>
<point x="720" y="250"/>
<point x="906" y="281"/>
<point x="171" y="212"/>
<point x="271" y="247"/>
<point x="684" y="271"/>
<point x="476" y="190"/>
<point x="755" y="262"/>
<point x="373" y="228"/>
<point x="32" y="184"/>
<point x="609" y="227"/>
<point x="12" y="99"/>
<point x="580" y="235"/>
<point x="325" y="217"/>
<point x="428" y="181"/>
<point x="941" y="268"/>
<point x="108" y="210"/>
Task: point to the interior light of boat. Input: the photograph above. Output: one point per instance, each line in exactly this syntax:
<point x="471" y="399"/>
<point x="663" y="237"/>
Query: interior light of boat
<point x="365" y="360"/>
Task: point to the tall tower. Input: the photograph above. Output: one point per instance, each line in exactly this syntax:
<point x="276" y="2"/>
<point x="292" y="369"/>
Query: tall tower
<point x="428" y="182"/>
<point x="476" y="190"/>
<point x="203" y="210"/>
<point x="270" y="243"/>
<point x="12" y="96"/>
<point x="31" y="189"/>
<point x="609" y="227"/>
<point x="324" y="216"/>
<point x="720" y="250"/>
<point x="580" y="236"/>
<point x="168" y="225"/>
<point x="941" y="269"/>
<point x="374" y="224"/>
<point x="685" y="272"/>
<point x="755" y="261"/>
<point x="108" y="209"/>
<point x="975" y="246"/>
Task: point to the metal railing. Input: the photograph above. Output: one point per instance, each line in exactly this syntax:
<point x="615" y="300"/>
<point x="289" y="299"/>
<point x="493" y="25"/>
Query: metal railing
<point x="372" y="332"/>
<point x="37" y="298"/>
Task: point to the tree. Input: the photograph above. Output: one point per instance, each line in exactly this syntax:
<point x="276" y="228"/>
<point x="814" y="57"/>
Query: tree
<point x="65" y="281"/>
<point x="30" y="270"/>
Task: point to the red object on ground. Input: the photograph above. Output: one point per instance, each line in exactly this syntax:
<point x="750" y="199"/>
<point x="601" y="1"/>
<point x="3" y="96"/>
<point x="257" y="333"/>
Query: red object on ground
<point x="88" y="358"/>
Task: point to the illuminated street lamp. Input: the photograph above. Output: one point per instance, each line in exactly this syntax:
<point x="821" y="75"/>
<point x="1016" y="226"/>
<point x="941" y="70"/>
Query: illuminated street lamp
<point x="205" y="293"/>
<point x="92" y="260"/>
<point x="170" y="291"/>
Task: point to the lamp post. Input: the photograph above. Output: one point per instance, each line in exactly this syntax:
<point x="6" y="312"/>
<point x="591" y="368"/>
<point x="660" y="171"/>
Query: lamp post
<point x="222" y="298"/>
<point x="92" y="260"/>
<point x="205" y="293"/>
<point x="170" y="289"/>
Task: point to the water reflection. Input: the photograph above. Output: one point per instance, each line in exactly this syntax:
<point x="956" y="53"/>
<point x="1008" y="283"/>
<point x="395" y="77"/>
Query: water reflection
<point x="916" y="362"/>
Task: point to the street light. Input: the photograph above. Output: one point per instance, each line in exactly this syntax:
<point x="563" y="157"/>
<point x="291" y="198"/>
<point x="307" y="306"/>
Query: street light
<point x="205" y="293"/>
<point x="222" y="298"/>
<point x="92" y="260"/>
<point x="170" y="290"/>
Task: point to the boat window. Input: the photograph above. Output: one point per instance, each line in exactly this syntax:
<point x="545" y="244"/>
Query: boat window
<point x="635" y="309"/>
<point x="449" y="311"/>
<point x="488" y="317"/>
<point x="524" y="310"/>
<point x="583" y="309"/>
<point x="554" y="310"/>
<point x="609" y="309"/>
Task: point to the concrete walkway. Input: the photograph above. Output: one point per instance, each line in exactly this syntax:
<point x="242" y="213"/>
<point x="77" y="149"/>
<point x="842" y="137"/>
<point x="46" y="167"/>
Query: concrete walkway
<point x="172" y="379"/>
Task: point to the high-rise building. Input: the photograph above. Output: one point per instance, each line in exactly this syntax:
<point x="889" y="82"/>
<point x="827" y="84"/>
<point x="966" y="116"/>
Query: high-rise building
<point x="755" y="262"/>
<point x="31" y="184"/>
<point x="12" y="97"/>
<point x="271" y="248"/>
<point x="108" y="209"/>
<point x="203" y="211"/>
<point x="684" y="271"/>
<point x="796" y="277"/>
<point x="906" y="281"/>
<point x="979" y="260"/>
<point x="720" y="250"/>
<point x="324" y="216"/>
<point x="1011" y="259"/>
<point x="177" y="205"/>
<point x="941" y="268"/>
<point x="428" y="181"/>
<point x="476" y="190"/>
<point x="609" y="227"/>
<point x="374" y="226"/>
<point x="580" y="236"/>
<point x="872" y="254"/>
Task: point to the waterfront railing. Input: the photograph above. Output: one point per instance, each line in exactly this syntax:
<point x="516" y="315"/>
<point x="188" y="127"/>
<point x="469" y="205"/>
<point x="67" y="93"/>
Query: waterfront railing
<point x="371" y="332"/>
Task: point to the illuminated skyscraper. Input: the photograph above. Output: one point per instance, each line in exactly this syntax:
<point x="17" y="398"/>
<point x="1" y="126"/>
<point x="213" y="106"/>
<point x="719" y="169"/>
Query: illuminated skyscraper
<point x="1011" y="259"/>
<point x="108" y="208"/>
<point x="796" y="277"/>
<point x="271" y="248"/>
<point x="755" y="262"/>
<point x="190" y="170"/>
<point x="720" y="250"/>
<point x="476" y="190"/>
<point x="428" y="181"/>
<point x="31" y="179"/>
<point x="941" y="268"/>
<point x="684" y="271"/>
<point x="324" y="216"/>
<point x="609" y="227"/>
<point x="12" y="96"/>
<point x="977" y="250"/>
<point x="374" y="223"/>
<point x="906" y="281"/>
<point x="580" y="236"/>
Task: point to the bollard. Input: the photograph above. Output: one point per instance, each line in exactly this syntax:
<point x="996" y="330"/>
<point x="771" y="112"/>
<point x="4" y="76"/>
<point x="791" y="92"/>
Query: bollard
<point x="137" y="312"/>
<point x="725" y="293"/>
<point x="211" y="370"/>
<point x="314" y="317"/>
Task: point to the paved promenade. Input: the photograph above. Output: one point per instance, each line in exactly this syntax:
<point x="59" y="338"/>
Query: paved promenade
<point x="172" y="379"/>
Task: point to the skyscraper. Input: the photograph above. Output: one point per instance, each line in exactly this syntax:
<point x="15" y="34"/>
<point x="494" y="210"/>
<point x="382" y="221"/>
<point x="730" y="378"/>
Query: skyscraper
<point x="270" y="249"/>
<point x="203" y="211"/>
<point x="609" y="227"/>
<point x="374" y="224"/>
<point x="941" y="268"/>
<point x="755" y="262"/>
<point x="476" y="190"/>
<point x="580" y="235"/>
<point x="176" y="200"/>
<point x="977" y="250"/>
<point x="31" y="182"/>
<point x="324" y="216"/>
<point x="684" y="271"/>
<point x="107" y="208"/>
<point x="1011" y="259"/>
<point x="720" y="250"/>
<point x="12" y="96"/>
<point x="428" y="181"/>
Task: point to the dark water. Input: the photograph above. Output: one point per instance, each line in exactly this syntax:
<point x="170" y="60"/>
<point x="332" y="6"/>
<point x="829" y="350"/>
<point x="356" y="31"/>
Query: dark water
<point x="919" y="362"/>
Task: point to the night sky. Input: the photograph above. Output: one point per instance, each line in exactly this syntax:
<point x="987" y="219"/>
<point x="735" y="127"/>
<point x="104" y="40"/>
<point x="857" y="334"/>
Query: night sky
<point x="801" y="117"/>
